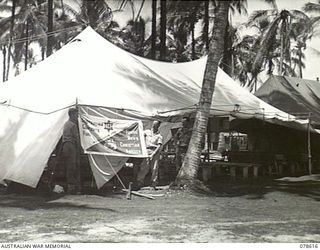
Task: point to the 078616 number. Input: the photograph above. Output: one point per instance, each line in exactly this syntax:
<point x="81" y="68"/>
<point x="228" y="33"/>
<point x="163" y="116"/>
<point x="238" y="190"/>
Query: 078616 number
<point x="309" y="245"/>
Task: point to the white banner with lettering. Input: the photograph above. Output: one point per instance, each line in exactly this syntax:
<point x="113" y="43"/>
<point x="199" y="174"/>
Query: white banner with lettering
<point x="113" y="137"/>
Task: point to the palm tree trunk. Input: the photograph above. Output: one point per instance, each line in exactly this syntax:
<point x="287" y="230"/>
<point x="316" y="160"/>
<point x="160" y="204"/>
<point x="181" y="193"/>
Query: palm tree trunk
<point x="62" y="7"/>
<point x="50" y="27"/>
<point x="227" y="52"/>
<point x="206" y="24"/>
<point x="188" y="172"/>
<point x="300" y="61"/>
<point x="193" y="42"/>
<point x="13" y="11"/>
<point x="4" y="55"/>
<point x="26" y="46"/>
<point x="154" y="29"/>
<point x="281" y="57"/>
<point x="263" y="50"/>
<point x="269" y="72"/>
<point x="163" y="28"/>
<point x="282" y="45"/>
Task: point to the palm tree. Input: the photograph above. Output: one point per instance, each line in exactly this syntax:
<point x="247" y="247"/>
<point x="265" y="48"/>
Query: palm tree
<point x="94" y="13"/>
<point x="280" y="28"/>
<point x="4" y="55"/>
<point x="133" y="36"/>
<point x="182" y="18"/>
<point x="301" y="32"/>
<point x="154" y="29"/>
<point x="50" y="27"/>
<point x="163" y="29"/>
<point x="298" y="57"/>
<point x="230" y="37"/>
<point x="11" y="36"/>
<point x="17" y="29"/>
<point x="4" y="37"/>
<point x="188" y="172"/>
<point x="206" y="21"/>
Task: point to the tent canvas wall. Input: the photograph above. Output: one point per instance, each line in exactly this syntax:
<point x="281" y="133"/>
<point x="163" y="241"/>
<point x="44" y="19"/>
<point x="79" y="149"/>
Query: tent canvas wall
<point x="91" y="71"/>
<point x="294" y="95"/>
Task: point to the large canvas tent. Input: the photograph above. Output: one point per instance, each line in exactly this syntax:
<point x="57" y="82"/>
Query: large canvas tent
<point x="294" y="95"/>
<point x="91" y="71"/>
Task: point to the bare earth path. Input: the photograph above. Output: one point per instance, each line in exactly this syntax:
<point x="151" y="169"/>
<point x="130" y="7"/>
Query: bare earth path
<point x="272" y="212"/>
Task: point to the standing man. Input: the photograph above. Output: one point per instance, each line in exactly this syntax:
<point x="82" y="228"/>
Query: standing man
<point x="71" y="152"/>
<point x="153" y="140"/>
<point x="182" y="139"/>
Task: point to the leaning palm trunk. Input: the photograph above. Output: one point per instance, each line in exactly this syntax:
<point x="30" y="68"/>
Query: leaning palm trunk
<point x="264" y="48"/>
<point x="188" y="172"/>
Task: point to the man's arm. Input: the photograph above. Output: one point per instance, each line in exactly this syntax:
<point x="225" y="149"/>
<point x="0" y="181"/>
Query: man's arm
<point x="158" y="148"/>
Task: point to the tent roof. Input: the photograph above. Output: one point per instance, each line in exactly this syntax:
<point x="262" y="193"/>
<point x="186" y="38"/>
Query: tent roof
<point x="294" y="95"/>
<point x="93" y="71"/>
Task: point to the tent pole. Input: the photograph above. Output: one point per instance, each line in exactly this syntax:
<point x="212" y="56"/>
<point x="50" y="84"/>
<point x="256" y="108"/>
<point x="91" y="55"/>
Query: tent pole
<point x="309" y="148"/>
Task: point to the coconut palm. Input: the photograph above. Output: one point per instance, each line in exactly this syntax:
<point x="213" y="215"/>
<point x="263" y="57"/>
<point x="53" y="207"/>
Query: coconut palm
<point x="17" y="28"/>
<point x="163" y="29"/>
<point x="182" y="18"/>
<point x="50" y="27"/>
<point x="133" y="36"/>
<point x="280" y="28"/>
<point x="190" y="166"/>
<point x="153" y="29"/>
<point x="301" y="32"/>
<point x="5" y="22"/>
<point x="94" y="13"/>
<point x="227" y="62"/>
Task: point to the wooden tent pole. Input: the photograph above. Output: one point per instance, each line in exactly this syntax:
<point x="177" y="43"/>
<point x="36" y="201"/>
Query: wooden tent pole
<point x="309" y="147"/>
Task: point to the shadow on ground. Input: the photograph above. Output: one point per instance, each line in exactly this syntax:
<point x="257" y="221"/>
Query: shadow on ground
<point x="33" y="199"/>
<point x="257" y="189"/>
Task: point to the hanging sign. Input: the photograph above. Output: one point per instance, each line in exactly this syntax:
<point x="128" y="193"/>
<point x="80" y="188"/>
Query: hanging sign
<point x="114" y="137"/>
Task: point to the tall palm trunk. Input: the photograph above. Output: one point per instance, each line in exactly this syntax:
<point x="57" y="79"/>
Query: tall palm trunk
<point x="50" y="28"/>
<point x="154" y="29"/>
<point x="300" y="61"/>
<point x="206" y="24"/>
<point x="227" y="52"/>
<point x="193" y="42"/>
<point x="62" y="7"/>
<point x="163" y="28"/>
<point x="281" y="49"/>
<point x="26" y="46"/>
<point x="4" y="55"/>
<point x="190" y="166"/>
<point x="13" y="12"/>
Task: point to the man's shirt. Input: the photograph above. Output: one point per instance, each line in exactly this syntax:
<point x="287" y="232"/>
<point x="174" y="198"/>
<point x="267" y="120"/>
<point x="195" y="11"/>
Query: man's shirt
<point x="152" y="139"/>
<point x="70" y="132"/>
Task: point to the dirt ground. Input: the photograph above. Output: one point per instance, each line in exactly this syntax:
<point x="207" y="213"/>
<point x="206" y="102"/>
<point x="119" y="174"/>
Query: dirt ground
<point x="260" y="211"/>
